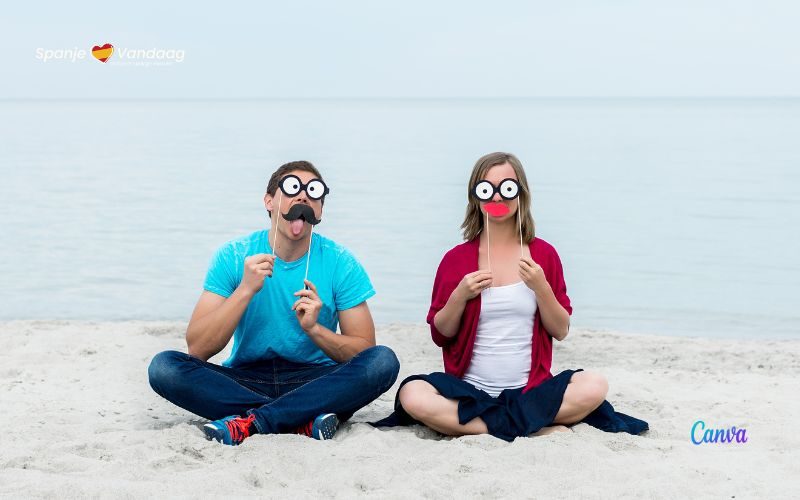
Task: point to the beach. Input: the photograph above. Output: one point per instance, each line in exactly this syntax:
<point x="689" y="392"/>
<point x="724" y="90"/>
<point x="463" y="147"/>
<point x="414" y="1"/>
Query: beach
<point x="80" y="420"/>
<point x="655" y="179"/>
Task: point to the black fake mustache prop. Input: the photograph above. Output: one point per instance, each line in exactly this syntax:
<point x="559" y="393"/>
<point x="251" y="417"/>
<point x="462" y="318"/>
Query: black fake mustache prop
<point x="302" y="212"/>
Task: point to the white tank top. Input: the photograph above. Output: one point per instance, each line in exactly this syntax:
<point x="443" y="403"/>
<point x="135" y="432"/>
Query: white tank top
<point x="501" y="357"/>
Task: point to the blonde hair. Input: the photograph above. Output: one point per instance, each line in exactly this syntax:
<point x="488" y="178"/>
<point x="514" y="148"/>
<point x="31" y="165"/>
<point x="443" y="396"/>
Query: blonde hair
<point x="474" y="219"/>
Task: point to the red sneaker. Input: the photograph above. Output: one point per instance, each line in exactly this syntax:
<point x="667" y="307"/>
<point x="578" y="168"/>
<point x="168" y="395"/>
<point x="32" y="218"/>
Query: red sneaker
<point x="323" y="427"/>
<point x="230" y="430"/>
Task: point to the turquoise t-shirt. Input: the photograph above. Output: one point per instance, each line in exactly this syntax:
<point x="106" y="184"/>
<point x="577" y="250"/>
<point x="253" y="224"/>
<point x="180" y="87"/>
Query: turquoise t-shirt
<point x="269" y="328"/>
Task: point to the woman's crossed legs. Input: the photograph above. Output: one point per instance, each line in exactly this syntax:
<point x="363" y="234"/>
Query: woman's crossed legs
<point x="585" y="392"/>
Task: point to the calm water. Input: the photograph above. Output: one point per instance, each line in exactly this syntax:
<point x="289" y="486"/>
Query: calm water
<point x="671" y="216"/>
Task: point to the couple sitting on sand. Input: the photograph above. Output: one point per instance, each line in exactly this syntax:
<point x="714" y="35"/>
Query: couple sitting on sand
<point x="498" y="301"/>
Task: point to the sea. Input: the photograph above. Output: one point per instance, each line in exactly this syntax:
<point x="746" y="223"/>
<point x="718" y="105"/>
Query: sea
<point x="671" y="216"/>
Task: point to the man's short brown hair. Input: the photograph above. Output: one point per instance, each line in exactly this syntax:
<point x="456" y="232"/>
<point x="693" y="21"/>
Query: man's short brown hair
<point x="302" y="165"/>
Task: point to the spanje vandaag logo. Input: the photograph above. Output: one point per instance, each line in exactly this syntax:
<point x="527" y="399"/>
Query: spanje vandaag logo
<point x="103" y="53"/>
<point x="123" y="56"/>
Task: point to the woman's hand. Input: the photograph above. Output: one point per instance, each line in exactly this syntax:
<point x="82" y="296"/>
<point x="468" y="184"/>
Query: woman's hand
<point x="532" y="274"/>
<point x="472" y="285"/>
<point x="448" y="319"/>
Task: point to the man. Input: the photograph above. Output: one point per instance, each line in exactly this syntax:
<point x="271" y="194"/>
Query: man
<point x="289" y="371"/>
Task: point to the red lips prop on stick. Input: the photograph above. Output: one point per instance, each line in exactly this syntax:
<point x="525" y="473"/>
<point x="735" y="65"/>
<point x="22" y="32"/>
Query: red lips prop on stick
<point x="496" y="209"/>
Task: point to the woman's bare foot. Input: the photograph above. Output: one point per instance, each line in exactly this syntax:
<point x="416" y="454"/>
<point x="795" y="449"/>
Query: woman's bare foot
<point x="549" y="430"/>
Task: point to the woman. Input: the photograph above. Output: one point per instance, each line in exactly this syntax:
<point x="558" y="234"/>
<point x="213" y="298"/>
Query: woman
<point x="498" y="301"/>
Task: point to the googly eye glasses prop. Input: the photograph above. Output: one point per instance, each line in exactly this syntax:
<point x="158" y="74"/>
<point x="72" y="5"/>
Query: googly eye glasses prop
<point x="291" y="185"/>
<point x="484" y="192"/>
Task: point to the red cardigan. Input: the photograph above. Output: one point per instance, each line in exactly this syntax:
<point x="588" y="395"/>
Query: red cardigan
<point x="457" y="350"/>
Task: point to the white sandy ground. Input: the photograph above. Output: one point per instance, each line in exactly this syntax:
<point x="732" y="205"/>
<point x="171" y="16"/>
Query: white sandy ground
<point x="79" y="419"/>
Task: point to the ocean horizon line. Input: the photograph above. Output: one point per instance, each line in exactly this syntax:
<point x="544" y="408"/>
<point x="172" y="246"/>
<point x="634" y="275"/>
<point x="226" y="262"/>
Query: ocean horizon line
<point x="405" y="98"/>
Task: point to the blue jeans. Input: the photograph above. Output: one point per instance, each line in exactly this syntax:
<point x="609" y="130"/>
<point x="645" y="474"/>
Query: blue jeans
<point x="281" y="394"/>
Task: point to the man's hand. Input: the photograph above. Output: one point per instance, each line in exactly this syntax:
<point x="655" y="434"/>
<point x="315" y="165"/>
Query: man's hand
<point x="307" y="307"/>
<point x="532" y="274"/>
<point x="256" y="268"/>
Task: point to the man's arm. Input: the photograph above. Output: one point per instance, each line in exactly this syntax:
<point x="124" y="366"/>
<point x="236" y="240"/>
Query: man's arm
<point x="358" y="329"/>
<point x="215" y="317"/>
<point x="358" y="334"/>
<point x="213" y="321"/>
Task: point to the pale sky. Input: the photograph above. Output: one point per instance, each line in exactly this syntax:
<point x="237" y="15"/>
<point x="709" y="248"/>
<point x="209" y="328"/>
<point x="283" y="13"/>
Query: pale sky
<point x="408" y="49"/>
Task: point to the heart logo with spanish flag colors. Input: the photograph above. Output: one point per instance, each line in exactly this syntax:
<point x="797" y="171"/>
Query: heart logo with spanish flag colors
<point x="103" y="53"/>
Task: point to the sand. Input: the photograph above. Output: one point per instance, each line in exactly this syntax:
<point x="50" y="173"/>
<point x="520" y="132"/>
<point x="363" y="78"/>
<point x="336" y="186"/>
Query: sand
<point x="80" y="420"/>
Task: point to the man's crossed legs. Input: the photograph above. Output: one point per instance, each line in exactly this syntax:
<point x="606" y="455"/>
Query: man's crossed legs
<point x="275" y="396"/>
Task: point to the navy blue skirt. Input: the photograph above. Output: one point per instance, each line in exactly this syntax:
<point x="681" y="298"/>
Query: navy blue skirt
<point x="513" y="413"/>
